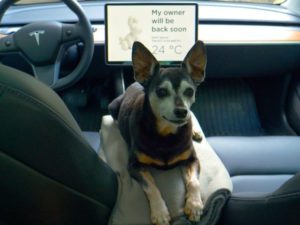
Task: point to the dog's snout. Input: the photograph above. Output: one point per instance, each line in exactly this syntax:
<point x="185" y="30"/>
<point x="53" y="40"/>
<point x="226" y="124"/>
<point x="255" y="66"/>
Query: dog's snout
<point x="180" y="113"/>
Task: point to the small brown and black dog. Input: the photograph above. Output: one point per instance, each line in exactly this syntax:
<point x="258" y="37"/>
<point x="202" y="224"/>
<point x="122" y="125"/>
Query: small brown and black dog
<point x="154" y="118"/>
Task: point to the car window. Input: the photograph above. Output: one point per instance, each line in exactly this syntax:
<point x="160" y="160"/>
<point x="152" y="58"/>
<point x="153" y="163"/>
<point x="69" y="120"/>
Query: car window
<point x="249" y="1"/>
<point x="256" y="1"/>
<point x="36" y="1"/>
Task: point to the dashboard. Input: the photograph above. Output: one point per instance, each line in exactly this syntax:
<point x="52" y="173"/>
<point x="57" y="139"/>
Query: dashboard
<point x="218" y="22"/>
<point x="252" y="35"/>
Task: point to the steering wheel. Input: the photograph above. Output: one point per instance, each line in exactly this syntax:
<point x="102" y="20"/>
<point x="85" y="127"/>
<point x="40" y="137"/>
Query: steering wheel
<point x="43" y="45"/>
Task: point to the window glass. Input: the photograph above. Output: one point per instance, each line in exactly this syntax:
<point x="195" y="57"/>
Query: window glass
<point x="36" y="1"/>
<point x="256" y="1"/>
<point x="251" y="1"/>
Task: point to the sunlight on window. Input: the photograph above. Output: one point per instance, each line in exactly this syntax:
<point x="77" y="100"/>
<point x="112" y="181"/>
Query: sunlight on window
<point x="36" y="1"/>
<point x="256" y="1"/>
<point x="249" y="1"/>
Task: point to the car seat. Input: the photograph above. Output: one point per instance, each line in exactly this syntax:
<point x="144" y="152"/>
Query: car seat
<point x="49" y="172"/>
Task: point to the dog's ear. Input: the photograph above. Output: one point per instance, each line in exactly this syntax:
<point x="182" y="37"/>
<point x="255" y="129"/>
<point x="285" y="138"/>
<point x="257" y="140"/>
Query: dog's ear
<point x="195" y="62"/>
<point x="144" y="63"/>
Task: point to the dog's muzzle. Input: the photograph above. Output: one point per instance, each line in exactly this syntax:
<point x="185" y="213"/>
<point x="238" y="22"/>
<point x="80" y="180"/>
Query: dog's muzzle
<point x="179" y="118"/>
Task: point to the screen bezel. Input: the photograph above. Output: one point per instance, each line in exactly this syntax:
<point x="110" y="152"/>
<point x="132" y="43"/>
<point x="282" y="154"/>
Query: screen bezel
<point x="129" y="63"/>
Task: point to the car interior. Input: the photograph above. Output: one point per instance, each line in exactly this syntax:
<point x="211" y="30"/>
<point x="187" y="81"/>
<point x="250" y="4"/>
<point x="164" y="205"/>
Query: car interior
<point x="52" y="100"/>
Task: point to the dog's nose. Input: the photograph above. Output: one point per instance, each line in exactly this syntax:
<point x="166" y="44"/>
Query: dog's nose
<point x="180" y="113"/>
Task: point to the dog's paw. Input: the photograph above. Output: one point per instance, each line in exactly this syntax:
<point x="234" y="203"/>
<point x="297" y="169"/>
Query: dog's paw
<point x="197" y="136"/>
<point x="193" y="208"/>
<point x="160" y="215"/>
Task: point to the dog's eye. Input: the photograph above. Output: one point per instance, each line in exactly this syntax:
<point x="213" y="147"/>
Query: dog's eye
<point x="162" y="92"/>
<point x="189" y="92"/>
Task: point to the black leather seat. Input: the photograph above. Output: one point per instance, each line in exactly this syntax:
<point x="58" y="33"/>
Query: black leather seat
<point x="266" y="179"/>
<point x="265" y="172"/>
<point x="49" y="173"/>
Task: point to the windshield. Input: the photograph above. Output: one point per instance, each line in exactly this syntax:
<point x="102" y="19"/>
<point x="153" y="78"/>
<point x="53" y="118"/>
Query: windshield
<point x="249" y="1"/>
<point x="255" y="1"/>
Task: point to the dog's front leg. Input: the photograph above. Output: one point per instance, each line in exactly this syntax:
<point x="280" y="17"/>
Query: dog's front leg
<point x="193" y="203"/>
<point x="158" y="209"/>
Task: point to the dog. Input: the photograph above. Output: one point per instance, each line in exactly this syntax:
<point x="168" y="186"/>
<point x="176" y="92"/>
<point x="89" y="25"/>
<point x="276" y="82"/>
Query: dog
<point x="132" y="36"/>
<point x="154" y="119"/>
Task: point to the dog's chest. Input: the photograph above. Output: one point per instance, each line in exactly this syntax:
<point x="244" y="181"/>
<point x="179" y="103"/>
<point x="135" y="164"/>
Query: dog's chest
<point x="164" y="151"/>
<point x="163" y="163"/>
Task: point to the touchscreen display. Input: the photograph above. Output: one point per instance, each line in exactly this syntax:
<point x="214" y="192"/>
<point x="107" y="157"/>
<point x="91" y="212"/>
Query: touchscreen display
<point x="167" y="30"/>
